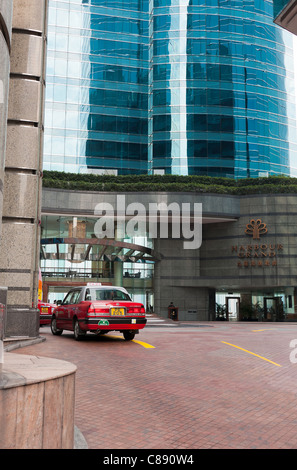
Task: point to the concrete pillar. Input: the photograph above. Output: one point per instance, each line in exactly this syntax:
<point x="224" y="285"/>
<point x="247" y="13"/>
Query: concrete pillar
<point x="19" y="255"/>
<point x="5" y="46"/>
<point x="3" y="296"/>
<point x="118" y="273"/>
<point x="117" y="265"/>
<point x="176" y="279"/>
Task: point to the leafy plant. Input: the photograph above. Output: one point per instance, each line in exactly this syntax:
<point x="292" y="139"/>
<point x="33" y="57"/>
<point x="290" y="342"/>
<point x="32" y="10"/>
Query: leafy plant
<point x="249" y="311"/>
<point x="221" y="312"/>
<point x="169" y="183"/>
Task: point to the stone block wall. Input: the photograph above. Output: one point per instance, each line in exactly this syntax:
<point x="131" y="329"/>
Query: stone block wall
<point x="37" y="398"/>
<point x="19" y="254"/>
<point x="232" y="258"/>
<point x="5" y="47"/>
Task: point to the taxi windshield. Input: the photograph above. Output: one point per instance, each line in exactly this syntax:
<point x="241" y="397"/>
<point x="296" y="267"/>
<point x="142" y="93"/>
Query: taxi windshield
<point x="106" y="294"/>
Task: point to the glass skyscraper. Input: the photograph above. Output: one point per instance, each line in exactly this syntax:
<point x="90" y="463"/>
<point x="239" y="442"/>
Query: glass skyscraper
<point x="279" y="5"/>
<point x="97" y="86"/>
<point x="194" y="87"/>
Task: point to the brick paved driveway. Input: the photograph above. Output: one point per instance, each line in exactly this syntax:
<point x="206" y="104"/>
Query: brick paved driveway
<point x="191" y="391"/>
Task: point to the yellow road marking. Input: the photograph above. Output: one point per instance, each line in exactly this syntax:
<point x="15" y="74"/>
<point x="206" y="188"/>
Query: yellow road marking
<point x="265" y="329"/>
<point x="145" y="345"/>
<point x="261" y="357"/>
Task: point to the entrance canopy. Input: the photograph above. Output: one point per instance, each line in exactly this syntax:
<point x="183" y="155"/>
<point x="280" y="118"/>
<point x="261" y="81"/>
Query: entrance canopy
<point x="94" y="249"/>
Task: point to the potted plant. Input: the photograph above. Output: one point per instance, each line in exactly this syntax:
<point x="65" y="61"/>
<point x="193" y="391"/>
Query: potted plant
<point x="221" y="312"/>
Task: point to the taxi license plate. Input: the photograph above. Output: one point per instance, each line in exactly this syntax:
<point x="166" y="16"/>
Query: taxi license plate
<point x="44" y="310"/>
<point x="117" y="311"/>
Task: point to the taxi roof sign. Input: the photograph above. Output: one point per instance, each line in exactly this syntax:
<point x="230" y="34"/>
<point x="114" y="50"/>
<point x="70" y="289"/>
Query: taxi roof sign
<point x="94" y="284"/>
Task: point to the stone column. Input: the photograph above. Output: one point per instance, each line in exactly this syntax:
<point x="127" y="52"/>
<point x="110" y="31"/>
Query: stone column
<point x="176" y="279"/>
<point x="19" y="255"/>
<point x="118" y="273"/>
<point x="117" y="265"/>
<point x="3" y="296"/>
<point x="5" y="45"/>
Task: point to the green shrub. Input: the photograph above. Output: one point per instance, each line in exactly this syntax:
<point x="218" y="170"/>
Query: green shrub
<point x="169" y="183"/>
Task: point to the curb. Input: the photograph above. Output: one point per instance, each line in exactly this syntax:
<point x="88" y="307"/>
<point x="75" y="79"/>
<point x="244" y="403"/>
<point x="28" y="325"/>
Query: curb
<point x="17" y="343"/>
<point x="79" y="440"/>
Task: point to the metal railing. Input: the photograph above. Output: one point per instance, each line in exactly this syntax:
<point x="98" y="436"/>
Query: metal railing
<point x="55" y="272"/>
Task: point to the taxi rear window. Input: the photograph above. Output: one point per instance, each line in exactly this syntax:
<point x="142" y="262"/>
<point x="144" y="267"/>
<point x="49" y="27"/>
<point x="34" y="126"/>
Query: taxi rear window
<point x="106" y="294"/>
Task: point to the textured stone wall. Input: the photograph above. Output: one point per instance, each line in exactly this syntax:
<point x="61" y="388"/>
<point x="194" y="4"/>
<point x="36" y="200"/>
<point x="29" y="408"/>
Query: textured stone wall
<point x="5" y="45"/>
<point x="19" y="255"/>
<point x="175" y="280"/>
<point x="285" y="14"/>
<point x="232" y="258"/>
<point x="37" y="398"/>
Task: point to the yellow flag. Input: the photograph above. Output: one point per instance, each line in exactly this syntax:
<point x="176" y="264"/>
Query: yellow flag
<point x="39" y="285"/>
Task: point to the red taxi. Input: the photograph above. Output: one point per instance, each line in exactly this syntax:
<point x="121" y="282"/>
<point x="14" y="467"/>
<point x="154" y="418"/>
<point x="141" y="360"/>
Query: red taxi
<point x="98" y="309"/>
<point x="46" y="311"/>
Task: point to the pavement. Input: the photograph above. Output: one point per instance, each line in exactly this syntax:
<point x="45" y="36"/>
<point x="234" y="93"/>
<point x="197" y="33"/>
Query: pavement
<point x="153" y="320"/>
<point x="157" y="321"/>
<point x="183" y="385"/>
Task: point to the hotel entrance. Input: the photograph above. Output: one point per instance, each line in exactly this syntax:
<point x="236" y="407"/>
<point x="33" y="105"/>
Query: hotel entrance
<point x="275" y="305"/>
<point x="233" y="308"/>
<point x="273" y="308"/>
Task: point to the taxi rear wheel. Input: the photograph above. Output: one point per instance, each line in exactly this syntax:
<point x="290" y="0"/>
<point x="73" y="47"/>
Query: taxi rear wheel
<point x="128" y="335"/>
<point x="78" y="333"/>
<point x="54" y="329"/>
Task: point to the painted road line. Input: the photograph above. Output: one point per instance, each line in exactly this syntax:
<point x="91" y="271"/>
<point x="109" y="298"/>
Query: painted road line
<point x="257" y="355"/>
<point x="265" y="329"/>
<point x="145" y="345"/>
<point x="142" y="343"/>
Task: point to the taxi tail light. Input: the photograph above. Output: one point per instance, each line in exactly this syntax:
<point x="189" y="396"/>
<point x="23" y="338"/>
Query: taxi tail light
<point x="91" y="310"/>
<point x="95" y="311"/>
<point x="136" y="310"/>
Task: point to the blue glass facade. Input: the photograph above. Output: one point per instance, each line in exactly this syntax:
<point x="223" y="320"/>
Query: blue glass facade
<point x="278" y="6"/>
<point x="223" y="89"/>
<point x="97" y="86"/>
<point x="182" y="86"/>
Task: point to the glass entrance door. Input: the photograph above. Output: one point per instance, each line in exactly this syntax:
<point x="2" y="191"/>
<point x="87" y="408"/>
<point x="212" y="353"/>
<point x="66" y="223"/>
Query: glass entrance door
<point x="273" y="309"/>
<point x="233" y="304"/>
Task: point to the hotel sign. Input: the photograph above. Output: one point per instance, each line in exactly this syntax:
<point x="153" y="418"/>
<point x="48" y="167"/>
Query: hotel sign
<point x="256" y="228"/>
<point x="258" y="254"/>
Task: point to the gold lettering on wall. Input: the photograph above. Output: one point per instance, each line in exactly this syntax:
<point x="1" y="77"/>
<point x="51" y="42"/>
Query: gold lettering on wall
<point x="259" y="254"/>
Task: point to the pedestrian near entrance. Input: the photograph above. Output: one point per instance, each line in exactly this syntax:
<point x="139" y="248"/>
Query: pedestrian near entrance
<point x="172" y="311"/>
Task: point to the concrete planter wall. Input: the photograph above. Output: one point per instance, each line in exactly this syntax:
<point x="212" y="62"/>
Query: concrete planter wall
<point x="36" y="403"/>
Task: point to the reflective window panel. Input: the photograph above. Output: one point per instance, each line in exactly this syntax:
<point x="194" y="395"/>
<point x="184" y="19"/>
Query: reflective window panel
<point x="182" y="86"/>
<point x="96" y="116"/>
<point x="223" y="89"/>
